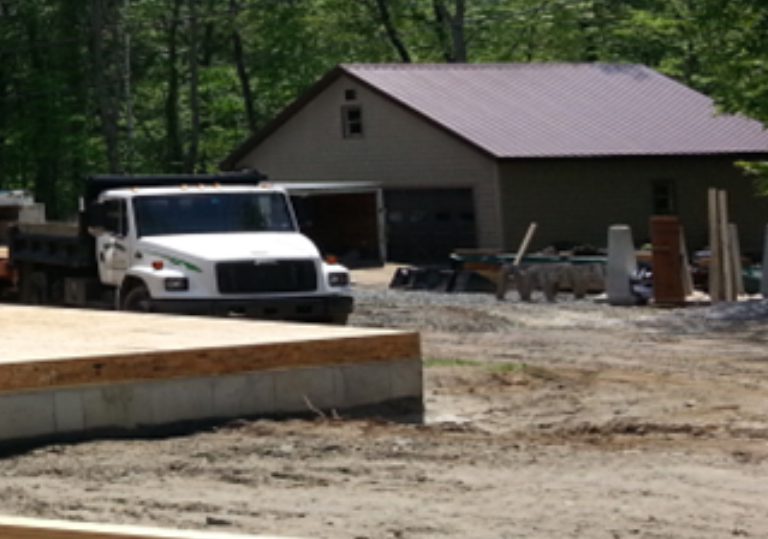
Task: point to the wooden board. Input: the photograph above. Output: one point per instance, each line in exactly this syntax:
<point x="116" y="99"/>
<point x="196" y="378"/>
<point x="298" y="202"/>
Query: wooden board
<point x="28" y="528"/>
<point x="42" y="348"/>
<point x="668" y="285"/>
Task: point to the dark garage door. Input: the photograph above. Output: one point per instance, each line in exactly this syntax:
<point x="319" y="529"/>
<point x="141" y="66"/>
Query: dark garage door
<point x="426" y="225"/>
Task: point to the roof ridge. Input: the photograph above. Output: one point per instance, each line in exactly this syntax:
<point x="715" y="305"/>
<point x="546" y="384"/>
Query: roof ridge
<point x="484" y="65"/>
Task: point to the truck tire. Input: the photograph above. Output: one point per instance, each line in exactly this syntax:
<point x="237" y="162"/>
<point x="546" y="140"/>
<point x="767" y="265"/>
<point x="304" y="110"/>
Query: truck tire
<point x="339" y="319"/>
<point x="137" y="300"/>
<point x="34" y="288"/>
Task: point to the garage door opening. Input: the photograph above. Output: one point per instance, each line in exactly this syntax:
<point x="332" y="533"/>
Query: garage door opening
<point x="343" y="220"/>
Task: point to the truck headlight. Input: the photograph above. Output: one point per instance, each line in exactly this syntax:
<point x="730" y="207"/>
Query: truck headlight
<point x="338" y="278"/>
<point x="176" y="284"/>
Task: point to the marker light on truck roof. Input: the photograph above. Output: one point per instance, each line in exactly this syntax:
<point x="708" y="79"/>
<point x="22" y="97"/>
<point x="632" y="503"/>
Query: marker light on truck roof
<point x="157" y="265"/>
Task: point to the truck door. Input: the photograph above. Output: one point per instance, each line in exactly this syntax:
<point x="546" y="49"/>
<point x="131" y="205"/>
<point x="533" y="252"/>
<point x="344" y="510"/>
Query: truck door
<point x="112" y="246"/>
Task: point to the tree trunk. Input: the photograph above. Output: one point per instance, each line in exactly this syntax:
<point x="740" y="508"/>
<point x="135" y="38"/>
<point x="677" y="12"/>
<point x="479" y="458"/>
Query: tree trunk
<point x="107" y="107"/>
<point x="194" y="100"/>
<point x="450" y="30"/>
<point x="392" y="33"/>
<point x="45" y="153"/>
<point x="458" y="39"/>
<point x="209" y="35"/>
<point x="242" y="71"/>
<point x="174" y="152"/>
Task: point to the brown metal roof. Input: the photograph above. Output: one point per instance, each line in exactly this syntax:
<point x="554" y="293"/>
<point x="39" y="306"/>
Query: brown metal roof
<point x="565" y="110"/>
<point x="552" y="110"/>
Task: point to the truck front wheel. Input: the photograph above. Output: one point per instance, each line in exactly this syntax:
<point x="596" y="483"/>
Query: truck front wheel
<point x="137" y="300"/>
<point x="338" y="319"/>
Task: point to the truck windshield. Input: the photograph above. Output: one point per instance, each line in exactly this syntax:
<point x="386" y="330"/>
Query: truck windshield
<point x="211" y="213"/>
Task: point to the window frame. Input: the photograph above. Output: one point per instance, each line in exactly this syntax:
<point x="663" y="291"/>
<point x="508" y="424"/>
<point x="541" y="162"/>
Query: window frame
<point x="664" y="200"/>
<point x="347" y="123"/>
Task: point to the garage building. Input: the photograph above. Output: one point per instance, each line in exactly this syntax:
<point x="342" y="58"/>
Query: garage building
<point x="468" y="154"/>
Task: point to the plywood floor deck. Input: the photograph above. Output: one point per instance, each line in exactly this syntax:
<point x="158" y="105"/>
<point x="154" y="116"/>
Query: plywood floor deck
<point x="49" y="347"/>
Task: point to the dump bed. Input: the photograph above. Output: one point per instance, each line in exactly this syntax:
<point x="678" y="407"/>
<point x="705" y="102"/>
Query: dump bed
<point x="55" y="244"/>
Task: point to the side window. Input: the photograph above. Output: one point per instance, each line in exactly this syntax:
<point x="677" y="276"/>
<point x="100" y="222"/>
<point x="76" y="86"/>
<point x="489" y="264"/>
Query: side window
<point x="352" y="121"/>
<point x="664" y="197"/>
<point x="115" y="218"/>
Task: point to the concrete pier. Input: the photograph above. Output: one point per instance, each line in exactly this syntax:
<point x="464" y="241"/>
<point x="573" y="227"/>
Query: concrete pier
<point x="67" y="372"/>
<point x="621" y="265"/>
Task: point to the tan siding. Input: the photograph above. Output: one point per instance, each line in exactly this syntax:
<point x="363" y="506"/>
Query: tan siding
<point x="398" y="150"/>
<point x="578" y="200"/>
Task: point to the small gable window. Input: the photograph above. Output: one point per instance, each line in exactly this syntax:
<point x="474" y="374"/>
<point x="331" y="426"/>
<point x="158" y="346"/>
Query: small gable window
<point x="350" y="94"/>
<point x="352" y="121"/>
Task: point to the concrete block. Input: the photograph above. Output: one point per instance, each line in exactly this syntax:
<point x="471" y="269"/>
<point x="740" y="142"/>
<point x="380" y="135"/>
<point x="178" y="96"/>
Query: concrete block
<point x="322" y="386"/>
<point x="620" y="265"/>
<point x="124" y="405"/>
<point x="26" y="415"/>
<point x="366" y="383"/>
<point x="68" y="411"/>
<point x="244" y="395"/>
<point x="182" y="400"/>
<point x="407" y="378"/>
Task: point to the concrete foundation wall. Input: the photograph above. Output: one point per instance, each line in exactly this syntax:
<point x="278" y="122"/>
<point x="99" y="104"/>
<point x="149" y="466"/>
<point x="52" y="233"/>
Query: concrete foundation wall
<point x="76" y="411"/>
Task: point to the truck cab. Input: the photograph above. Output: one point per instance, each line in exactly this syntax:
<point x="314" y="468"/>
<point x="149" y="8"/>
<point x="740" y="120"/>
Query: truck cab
<point x="208" y="247"/>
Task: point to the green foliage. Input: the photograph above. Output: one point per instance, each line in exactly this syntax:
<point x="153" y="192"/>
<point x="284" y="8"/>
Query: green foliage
<point x="446" y="362"/>
<point x="89" y="86"/>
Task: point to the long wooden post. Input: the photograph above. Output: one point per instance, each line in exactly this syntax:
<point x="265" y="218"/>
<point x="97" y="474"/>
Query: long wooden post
<point x="735" y="258"/>
<point x="715" y="275"/>
<point x="525" y="243"/>
<point x="725" y="246"/>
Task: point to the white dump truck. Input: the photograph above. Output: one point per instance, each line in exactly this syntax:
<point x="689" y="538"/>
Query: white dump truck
<point x="220" y="244"/>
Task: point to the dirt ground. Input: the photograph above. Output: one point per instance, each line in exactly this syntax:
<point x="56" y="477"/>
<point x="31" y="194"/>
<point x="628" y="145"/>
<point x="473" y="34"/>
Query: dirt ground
<point x="543" y="420"/>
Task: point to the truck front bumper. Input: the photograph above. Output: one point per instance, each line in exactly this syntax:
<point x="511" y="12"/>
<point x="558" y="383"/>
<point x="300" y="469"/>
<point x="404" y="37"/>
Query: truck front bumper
<point x="305" y="309"/>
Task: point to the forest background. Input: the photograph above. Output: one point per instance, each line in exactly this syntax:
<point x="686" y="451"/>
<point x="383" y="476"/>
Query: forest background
<point x="94" y="86"/>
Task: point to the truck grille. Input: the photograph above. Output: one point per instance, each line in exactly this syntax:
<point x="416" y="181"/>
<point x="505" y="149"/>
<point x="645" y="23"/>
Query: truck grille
<point x="250" y="277"/>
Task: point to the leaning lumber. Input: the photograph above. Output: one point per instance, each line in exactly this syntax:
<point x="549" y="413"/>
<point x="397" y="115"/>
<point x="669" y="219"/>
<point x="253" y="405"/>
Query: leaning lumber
<point x="525" y="243"/>
<point x="34" y="528"/>
<point x="715" y="267"/>
<point x="513" y="271"/>
<point x="725" y="246"/>
<point x="737" y="268"/>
